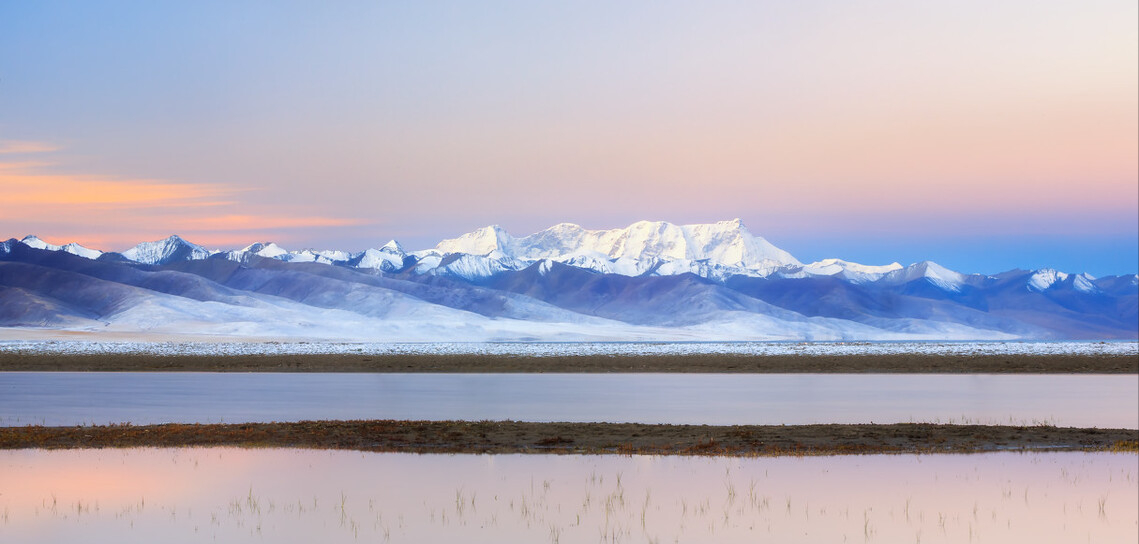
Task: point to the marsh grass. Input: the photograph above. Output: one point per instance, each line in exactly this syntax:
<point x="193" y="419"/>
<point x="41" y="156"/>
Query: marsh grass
<point x="583" y="438"/>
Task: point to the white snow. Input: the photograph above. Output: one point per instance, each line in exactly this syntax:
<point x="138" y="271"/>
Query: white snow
<point x="161" y="250"/>
<point x="427" y="262"/>
<point x="938" y="275"/>
<point x="386" y="258"/>
<point x="34" y="242"/>
<point x="472" y="267"/>
<point x="483" y="241"/>
<point x="389" y="257"/>
<point x="854" y="272"/>
<point x="726" y="243"/>
<point x="315" y="256"/>
<point x="714" y="250"/>
<point x="1084" y="283"/>
<point x="1044" y="278"/>
<point x="76" y="249"/>
<point x="72" y="248"/>
<point x="265" y="249"/>
<point x="560" y="349"/>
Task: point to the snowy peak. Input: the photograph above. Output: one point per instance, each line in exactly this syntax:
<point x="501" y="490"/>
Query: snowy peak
<point x="387" y="258"/>
<point x="936" y="274"/>
<point x="33" y="241"/>
<point x="314" y="256"/>
<point x="1047" y="278"/>
<point x="72" y="248"/>
<point x="726" y="243"/>
<point x="1085" y="283"/>
<point x="854" y="272"/>
<point x="472" y="267"/>
<point x="730" y="243"/>
<point x="87" y="253"/>
<point x="712" y="250"/>
<point x="393" y="247"/>
<point x="268" y="250"/>
<point x="716" y="251"/>
<point x="1043" y="279"/>
<point x="483" y="241"/>
<point x="265" y="249"/>
<point x="165" y="251"/>
<point x="556" y="242"/>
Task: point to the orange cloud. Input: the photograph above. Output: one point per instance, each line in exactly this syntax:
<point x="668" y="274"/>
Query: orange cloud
<point x="108" y="212"/>
<point x="23" y="189"/>
<point x="19" y="147"/>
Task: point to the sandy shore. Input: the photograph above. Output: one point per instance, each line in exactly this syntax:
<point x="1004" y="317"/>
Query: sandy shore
<point x="591" y="438"/>
<point x="712" y="363"/>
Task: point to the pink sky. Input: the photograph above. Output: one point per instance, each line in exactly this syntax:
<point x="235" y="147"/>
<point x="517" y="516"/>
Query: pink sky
<point x="346" y="126"/>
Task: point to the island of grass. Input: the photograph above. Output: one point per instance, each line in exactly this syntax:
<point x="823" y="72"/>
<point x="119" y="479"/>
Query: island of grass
<point x="506" y="437"/>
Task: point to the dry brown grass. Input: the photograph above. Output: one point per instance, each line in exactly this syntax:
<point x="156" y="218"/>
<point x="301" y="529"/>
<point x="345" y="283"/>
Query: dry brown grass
<point x="708" y="363"/>
<point x="588" y="438"/>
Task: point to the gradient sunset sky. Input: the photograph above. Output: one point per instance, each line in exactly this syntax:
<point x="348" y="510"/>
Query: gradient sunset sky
<point x="982" y="135"/>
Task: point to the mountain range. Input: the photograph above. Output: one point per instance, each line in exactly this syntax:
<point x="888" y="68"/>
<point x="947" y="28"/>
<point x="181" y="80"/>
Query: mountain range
<point x="649" y="281"/>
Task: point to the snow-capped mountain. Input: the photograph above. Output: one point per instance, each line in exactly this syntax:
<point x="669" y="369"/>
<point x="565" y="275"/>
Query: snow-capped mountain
<point x="166" y="251"/>
<point x="264" y="249"/>
<point x="72" y="248"/>
<point x="853" y="272"/>
<point x="1046" y="278"/>
<point x="930" y="271"/>
<point x="651" y="280"/>
<point x="388" y="258"/>
<point x="715" y="251"/>
<point x="659" y="247"/>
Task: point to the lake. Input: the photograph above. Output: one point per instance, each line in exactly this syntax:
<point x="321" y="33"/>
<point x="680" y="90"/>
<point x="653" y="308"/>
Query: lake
<point x="250" y="495"/>
<point x="71" y="398"/>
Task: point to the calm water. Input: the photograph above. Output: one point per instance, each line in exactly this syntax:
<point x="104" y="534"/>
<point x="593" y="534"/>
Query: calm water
<point x="245" y="495"/>
<point x="62" y="398"/>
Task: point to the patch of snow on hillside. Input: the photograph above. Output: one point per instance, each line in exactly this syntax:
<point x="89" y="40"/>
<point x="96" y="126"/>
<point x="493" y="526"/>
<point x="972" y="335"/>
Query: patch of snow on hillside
<point x="87" y="253"/>
<point x="1044" y="278"/>
<point x="1085" y="283"/>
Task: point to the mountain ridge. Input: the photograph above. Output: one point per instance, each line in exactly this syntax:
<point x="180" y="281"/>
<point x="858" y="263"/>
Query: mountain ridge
<point x="713" y="250"/>
<point x="650" y="281"/>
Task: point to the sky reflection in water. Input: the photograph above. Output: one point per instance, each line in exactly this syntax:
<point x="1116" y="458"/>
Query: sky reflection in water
<point x="71" y="398"/>
<point x="237" y="495"/>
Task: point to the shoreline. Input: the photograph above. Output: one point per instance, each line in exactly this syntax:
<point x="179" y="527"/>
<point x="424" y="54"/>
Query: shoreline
<point x="512" y="437"/>
<point x="15" y="361"/>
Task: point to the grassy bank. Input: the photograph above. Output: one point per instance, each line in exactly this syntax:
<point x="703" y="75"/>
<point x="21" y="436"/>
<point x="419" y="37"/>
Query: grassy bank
<point x="582" y="438"/>
<point x="709" y="363"/>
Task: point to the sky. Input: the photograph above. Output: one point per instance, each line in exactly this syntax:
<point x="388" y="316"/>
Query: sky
<point x="984" y="136"/>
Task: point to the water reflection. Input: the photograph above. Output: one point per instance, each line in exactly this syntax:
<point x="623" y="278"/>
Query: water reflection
<point x="237" y="495"/>
<point x="71" y="398"/>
